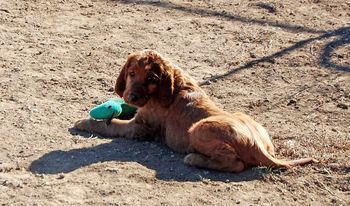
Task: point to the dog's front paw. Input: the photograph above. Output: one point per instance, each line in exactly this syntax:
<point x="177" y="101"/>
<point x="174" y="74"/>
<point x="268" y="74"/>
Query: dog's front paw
<point x="83" y="124"/>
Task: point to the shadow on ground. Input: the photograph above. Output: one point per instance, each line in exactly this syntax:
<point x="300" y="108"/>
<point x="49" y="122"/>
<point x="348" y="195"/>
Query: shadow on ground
<point x="222" y="14"/>
<point x="167" y="164"/>
<point x="342" y="34"/>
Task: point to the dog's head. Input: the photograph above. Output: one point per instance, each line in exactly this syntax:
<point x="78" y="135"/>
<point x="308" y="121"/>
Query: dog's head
<point x="144" y="76"/>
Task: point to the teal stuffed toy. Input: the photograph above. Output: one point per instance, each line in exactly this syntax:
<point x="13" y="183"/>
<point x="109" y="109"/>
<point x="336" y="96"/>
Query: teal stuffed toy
<point x="113" y="108"/>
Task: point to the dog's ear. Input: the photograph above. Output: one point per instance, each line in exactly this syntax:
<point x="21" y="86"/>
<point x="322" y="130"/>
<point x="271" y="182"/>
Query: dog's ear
<point x="121" y="81"/>
<point x="166" y="85"/>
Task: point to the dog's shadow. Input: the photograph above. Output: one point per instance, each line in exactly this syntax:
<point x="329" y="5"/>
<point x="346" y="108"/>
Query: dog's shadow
<point x="167" y="164"/>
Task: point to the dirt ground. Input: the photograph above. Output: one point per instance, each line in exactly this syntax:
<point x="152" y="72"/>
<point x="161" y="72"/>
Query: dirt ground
<point x="286" y="63"/>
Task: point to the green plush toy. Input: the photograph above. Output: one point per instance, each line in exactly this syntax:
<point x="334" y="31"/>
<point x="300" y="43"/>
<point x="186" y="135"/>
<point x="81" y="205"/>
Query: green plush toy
<point x="113" y="108"/>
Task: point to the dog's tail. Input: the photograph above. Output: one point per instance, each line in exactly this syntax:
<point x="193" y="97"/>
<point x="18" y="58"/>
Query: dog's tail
<point x="263" y="158"/>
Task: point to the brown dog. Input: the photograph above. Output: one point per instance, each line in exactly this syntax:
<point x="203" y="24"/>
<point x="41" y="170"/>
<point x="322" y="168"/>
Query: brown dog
<point x="172" y="107"/>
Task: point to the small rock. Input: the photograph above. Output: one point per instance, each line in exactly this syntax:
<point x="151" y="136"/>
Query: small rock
<point x="206" y="181"/>
<point x="342" y="106"/>
<point x="39" y="175"/>
<point x="6" y="167"/>
<point x="341" y="56"/>
<point x="114" y="170"/>
<point x="61" y="176"/>
<point x="96" y="102"/>
<point x="111" y="89"/>
<point x="291" y="102"/>
<point x="11" y="183"/>
<point x="252" y="55"/>
<point x="207" y="82"/>
<point x="268" y="6"/>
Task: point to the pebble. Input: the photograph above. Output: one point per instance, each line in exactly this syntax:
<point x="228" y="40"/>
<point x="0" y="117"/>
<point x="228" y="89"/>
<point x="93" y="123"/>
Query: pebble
<point x="6" y="167"/>
<point x="252" y="55"/>
<point x="12" y="183"/>
<point x="342" y="106"/>
<point x="61" y="176"/>
<point x="291" y="102"/>
<point x="269" y="6"/>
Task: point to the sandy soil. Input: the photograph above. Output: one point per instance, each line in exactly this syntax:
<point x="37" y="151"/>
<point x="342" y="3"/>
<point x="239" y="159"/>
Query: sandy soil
<point x="286" y="63"/>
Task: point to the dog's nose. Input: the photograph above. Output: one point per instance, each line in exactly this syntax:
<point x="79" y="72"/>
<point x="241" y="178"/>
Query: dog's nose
<point x="133" y="97"/>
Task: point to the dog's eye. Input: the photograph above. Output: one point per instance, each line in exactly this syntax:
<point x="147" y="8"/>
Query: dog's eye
<point x="152" y="79"/>
<point x="149" y="79"/>
<point x="132" y="74"/>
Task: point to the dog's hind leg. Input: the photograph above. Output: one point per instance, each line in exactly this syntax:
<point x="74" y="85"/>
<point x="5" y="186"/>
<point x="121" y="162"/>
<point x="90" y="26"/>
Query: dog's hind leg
<point x="209" y="140"/>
